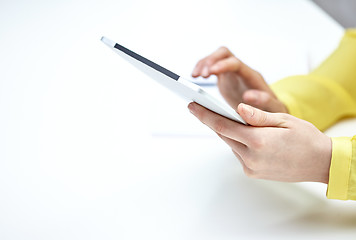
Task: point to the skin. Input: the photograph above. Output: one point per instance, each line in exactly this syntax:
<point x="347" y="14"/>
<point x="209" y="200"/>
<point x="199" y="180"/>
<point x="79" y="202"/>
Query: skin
<point x="274" y="146"/>
<point x="238" y="82"/>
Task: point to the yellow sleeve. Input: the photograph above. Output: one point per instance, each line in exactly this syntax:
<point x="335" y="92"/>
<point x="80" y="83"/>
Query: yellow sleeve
<point x="323" y="97"/>
<point x="342" y="176"/>
<point x="327" y="94"/>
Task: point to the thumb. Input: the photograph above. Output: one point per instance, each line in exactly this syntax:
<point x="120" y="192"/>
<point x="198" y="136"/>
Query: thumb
<point x="259" y="118"/>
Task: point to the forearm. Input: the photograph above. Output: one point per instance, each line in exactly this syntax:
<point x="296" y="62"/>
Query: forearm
<point x="328" y="94"/>
<point x="323" y="97"/>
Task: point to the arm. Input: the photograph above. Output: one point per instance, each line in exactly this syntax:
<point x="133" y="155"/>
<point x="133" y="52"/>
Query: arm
<point x="323" y="97"/>
<point x="327" y="94"/>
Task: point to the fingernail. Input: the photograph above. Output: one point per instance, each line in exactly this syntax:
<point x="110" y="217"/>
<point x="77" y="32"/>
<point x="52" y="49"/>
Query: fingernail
<point x="205" y="72"/>
<point x="247" y="109"/>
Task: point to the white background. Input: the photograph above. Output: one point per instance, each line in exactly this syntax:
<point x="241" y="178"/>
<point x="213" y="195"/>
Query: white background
<point x="82" y="155"/>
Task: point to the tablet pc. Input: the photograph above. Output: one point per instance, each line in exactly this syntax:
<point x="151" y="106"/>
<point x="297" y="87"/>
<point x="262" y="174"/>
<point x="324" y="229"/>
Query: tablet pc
<point x="174" y="82"/>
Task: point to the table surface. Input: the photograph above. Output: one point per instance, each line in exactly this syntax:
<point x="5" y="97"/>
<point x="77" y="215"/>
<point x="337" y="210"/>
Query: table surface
<point x="80" y="153"/>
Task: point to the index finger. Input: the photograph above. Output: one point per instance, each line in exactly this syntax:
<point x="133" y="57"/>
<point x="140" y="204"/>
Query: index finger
<point x="210" y="60"/>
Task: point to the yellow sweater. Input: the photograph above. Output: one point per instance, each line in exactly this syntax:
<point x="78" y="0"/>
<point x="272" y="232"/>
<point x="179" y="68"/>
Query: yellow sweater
<point x="323" y="97"/>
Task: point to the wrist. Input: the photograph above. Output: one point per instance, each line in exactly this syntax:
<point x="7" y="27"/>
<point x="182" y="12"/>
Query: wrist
<point x="325" y="160"/>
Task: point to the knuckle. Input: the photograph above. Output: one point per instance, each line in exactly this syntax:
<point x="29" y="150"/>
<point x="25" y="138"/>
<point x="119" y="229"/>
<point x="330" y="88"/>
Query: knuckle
<point x="284" y="117"/>
<point x="309" y="124"/>
<point x="235" y="60"/>
<point x="209" y="61"/>
<point x="223" y="49"/>
<point x="258" y="74"/>
<point x="261" y="120"/>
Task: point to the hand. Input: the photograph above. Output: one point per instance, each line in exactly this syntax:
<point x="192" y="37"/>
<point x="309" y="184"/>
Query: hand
<point x="275" y="146"/>
<point x="237" y="82"/>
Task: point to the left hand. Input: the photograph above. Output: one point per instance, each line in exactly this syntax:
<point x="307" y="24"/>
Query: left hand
<point x="275" y="146"/>
<point x="237" y="82"/>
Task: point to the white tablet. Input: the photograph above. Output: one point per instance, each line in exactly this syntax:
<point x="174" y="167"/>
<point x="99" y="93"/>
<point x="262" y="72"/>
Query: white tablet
<point x="174" y="82"/>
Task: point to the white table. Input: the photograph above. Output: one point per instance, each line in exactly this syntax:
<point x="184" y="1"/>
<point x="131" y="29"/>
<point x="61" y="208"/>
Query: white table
<point x="78" y="157"/>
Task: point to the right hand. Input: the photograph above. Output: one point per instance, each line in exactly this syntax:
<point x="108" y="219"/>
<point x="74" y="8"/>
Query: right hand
<point x="237" y="82"/>
<point x="274" y="146"/>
